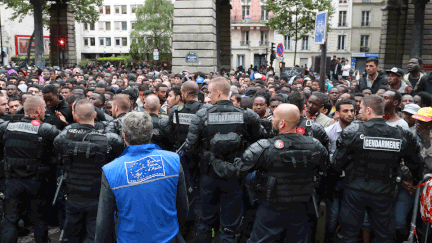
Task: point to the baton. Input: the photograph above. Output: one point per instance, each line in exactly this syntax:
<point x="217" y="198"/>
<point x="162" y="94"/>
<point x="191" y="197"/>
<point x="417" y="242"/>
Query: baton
<point x="58" y="189"/>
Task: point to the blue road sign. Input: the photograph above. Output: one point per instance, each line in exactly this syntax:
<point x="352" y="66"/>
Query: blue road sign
<point x="280" y="49"/>
<point x="321" y="27"/>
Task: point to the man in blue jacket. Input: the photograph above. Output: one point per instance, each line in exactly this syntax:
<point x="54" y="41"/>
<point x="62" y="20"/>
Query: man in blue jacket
<point x="145" y="188"/>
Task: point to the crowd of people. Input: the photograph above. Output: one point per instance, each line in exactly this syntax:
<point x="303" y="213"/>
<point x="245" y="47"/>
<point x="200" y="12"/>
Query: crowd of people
<point x="253" y="155"/>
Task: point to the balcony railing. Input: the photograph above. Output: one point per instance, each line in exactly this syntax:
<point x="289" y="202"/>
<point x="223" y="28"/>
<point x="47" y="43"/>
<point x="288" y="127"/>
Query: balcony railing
<point x="263" y="43"/>
<point x="253" y="19"/>
<point x="342" y="25"/>
<point x="244" y="43"/>
<point x="365" y="24"/>
<point x="364" y="49"/>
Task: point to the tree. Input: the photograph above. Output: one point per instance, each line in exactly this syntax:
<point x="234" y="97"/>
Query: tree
<point x="296" y="18"/>
<point x="152" y="29"/>
<point x="84" y="10"/>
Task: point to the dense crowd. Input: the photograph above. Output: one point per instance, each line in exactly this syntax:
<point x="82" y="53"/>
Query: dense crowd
<point x="113" y="93"/>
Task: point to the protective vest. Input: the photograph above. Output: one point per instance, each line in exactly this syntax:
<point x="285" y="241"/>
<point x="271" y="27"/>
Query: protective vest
<point x="307" y="125"/>
<point x="23" y="149"/>
<point x="224" y="128"/>
<point x="182" y="118"/>
<point x="377" y="153"/>
<point x="290" y="171"/>
<point x="144" y="182"/>
<point x="85" y="152"/>
<point x="158" y="137"/>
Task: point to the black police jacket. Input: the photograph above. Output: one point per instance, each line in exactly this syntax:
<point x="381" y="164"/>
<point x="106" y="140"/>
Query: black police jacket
<point x="424" y="84"/>
<point x="115" y="126"/>
<point x="371" y="152"/>
<point x="315" y="130"/>
<point x="159" y="137"/>
<point x="62" y="107"/>
<point x="197" y="134"/>
<point x="28" y="144"/>
<point x="379" y="81"/>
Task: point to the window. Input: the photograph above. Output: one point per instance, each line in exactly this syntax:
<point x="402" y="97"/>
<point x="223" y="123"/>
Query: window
<point x="133" y="25"/>
<point x="117" y="9"/>
<point x="107" y="25"/>
<point x="85" y="41"/>
<point x="124" y="10"/>
<point x="101" y="10"/>
<point x="305" y="43"/>
<point x="101" y="25"/>
<point x="107" y="9"/>
<point x="124" y="41"/>
<point x="342" y="1"/>
<point x="342" y="18"/>
<point x="124" y="25"/>
<point x="287" y="42"/>
<point x="341" y="42"/>
<point x="108" y="41"/>
<point x="245" y="38"/>
<point x="364" y="41"/>
<point x="117" y="25"/>
<point x="92" y="26"/>
<point x="117" y="40"/>
<point x="85" y="27"/>
<point x="240" y="60"/>
<point x="101" y="41"/>
<point x="245" y="11"/>
<point x="264" y="13"/>
<point x="92" y="41"/>
<point x="365" y="18"/>
<point x="264" y="35"/>
<point x="133" y="8"/>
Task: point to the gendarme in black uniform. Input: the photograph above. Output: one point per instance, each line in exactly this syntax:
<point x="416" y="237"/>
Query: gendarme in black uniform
<point x="221" y="130"/>
<point x="159" y="137"/>
<point x="84" y="152"/>
<point x="370" y="153"/>
<point x="28" y="166"/>
<point x="315" y="130"/>
<point x="115" y="126"/>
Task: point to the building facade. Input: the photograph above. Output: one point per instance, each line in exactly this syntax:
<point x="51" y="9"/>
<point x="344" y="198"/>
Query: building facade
<point x="110" y="36"/>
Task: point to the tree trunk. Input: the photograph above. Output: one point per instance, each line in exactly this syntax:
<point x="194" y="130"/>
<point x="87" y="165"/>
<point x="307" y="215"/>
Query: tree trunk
<point x="295" y="52"/>
<point x="38" y="6"/>
<point x="30" y="44"/>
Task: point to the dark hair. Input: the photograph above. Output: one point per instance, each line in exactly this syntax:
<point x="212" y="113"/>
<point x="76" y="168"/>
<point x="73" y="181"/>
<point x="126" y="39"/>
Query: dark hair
<point x="297" y="99"/>
<point x="71" y="80"/>
<point x="246" y="102"/>
<point x="420" y="61"/>
<point x="176" y="91"/>
<point x="132" y="92"/>
<point x="397" y="95"/>
<point x="264" y="94"/>
<point x="50" y="88"/>
<point x="426" y="98"/>
<point x="327" y="104"/>
<point x="279" y="98"/>
<point x="383" y="87"/>
<point x="319" y="95"/>
<point x="101" y="96"/>
<point x="66" y="87"/>
<point x="100" y="85"/>
<point x="201" y="97"/>
<point x="143" y="87"/>
<point x="15" y="98"/>
<point x="33" y="86"/>
<point x="160" y="86"/>
<point x="375" y="102"/>
<point x="237" y="97"/>
<point x="73" y="98"/>
<point x="359" y="94"/>
<point x="373" y="59"/>
<point x="345" y="102"/>
<point x="365" y="88"/>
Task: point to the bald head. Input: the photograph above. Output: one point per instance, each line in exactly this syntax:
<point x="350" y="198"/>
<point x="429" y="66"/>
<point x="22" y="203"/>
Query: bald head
<point x="32" y="104"/>
<point x="84" y="111"/>
<point x="286" y="118"/>
<point x="190" y="88"/>
<point x="220" y="84"/>
<point x="152" y="104"/>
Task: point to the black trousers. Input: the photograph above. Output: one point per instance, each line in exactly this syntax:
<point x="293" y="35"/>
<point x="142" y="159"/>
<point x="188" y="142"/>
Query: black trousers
<point x="81" y="220"/>
<point x="379" y="208"/>
<point x="25" y="192"/>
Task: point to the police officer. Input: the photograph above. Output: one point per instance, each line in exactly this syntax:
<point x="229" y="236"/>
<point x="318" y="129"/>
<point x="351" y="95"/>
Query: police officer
<point x="120" y="107"/>
<point x="221" y="130"/>
<point x="84" y="151"/>
<point x="287" y="168"/>
<point x="370" y="153"/>
<point x="152" y="106"/>
<point x="27" y="152"/>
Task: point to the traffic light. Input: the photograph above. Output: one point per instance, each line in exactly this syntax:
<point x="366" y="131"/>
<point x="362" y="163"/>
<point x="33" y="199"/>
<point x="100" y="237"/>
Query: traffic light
<point x="61" y="42"/>
<point x="281" y="66"/>
<point x="273" y="54"/>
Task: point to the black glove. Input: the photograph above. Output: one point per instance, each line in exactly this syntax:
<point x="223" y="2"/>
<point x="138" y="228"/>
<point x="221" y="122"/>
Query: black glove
<point x="206" y="160"/>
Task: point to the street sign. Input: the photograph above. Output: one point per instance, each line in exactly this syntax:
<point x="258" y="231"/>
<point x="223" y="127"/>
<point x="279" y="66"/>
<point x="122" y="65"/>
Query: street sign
<point x="321" y="27"/>
<point x="280" y="49"/>
<point x="353" y="62"/>
<point x="281" y="59"/>
<point x="191" y="57"/>
<point x="156" y="54"/>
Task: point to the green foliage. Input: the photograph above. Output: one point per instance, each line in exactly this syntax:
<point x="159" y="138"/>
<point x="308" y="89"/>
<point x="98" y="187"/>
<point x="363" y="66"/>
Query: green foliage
<point x="84" y="62"/>
<point x="153" y="28"/>
<point x="18" y="59"/>
<point x="115" y="60"/>
<point x="85" y="10"/>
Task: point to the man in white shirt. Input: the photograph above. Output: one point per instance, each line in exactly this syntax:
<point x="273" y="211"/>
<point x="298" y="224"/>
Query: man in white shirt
<point x="345" y="69"/>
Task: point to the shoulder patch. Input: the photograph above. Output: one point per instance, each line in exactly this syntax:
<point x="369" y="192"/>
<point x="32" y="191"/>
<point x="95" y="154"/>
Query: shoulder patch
<point x="35" y="122"/>
<point x="279" y="144"/>
<point x="180" y="107"/>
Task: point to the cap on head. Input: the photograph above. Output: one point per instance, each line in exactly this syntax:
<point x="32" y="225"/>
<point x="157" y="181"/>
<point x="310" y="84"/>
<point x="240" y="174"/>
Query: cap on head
<point x="411" y="109"/>
<point x="424" y="114"/>
<point x="200" y="80"/>
<point x="397" y="71"/>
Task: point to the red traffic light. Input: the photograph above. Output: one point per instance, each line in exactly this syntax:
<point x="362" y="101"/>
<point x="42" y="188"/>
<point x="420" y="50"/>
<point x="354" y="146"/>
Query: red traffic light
<point x="281" y="65"/>
<point x="61" y="41"/>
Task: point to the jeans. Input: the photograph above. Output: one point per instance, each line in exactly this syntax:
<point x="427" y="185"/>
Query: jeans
<point x="403" y="205"/>
<point x="81" y="221"/>
<point x="219" y="198"/>
<point x="30" y="193"/>
<point x="271" y="225"/>
<point x="379" y="208"/>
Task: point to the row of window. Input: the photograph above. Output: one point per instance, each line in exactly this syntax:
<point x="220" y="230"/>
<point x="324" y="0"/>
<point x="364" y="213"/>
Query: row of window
<point x="118" y="9"/>
<point x="246" y="12"/>
<point x="106" y="25"/>
<point x="105" y="41"/>
<point x="343" y="18"/>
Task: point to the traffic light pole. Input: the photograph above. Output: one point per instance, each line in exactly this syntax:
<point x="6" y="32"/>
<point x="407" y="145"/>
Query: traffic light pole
<point x="323" y="69"/>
